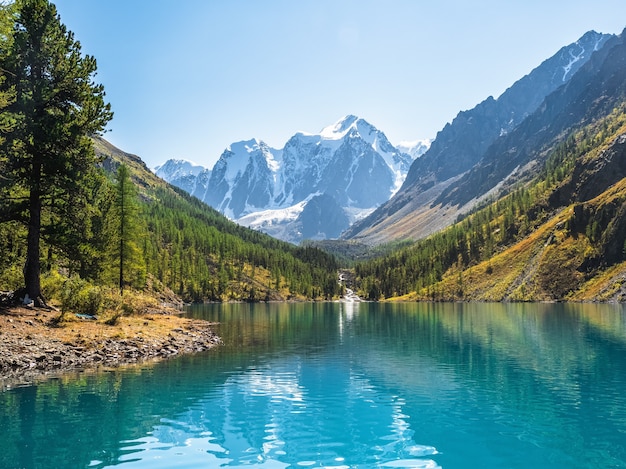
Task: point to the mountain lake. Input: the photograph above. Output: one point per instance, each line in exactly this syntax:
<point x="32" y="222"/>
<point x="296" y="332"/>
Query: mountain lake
<point x="346" y="385"/>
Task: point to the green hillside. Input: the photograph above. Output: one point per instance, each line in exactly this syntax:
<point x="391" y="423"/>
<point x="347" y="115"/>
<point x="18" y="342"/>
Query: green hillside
<point x="200" y="254"/>
<point x="559" y="237"/>
<point x="185" y="246"/>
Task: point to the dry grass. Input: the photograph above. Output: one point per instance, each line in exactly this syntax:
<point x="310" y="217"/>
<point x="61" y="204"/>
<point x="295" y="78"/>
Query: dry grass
<point x="609" y="286"/>
<point x="34" y="324"/>
<point x="542" y="267"/>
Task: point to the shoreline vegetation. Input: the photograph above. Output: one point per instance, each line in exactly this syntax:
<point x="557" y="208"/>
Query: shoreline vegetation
<point x="89" y="229"/>
<point x="43" y="343"/>
<point x="87" y="328"/>
<point x="35" y="345"/>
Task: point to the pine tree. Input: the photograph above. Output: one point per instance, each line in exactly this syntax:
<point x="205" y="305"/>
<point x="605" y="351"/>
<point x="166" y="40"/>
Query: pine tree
<point x="58" y="107"/>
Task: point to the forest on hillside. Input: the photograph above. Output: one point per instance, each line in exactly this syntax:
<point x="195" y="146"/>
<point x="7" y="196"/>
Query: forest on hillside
<point x="586" y="234"/>
<point x="89" y="227"/>
<point x="83" y="224"/>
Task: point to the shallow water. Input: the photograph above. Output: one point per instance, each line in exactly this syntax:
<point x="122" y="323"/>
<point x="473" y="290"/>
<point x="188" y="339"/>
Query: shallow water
<point x="348" y="385"/>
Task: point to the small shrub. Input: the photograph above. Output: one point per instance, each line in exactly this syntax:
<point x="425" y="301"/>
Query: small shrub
<point x="113" y="319"/>
<point x="70" y="292"/>
<point x="79" y="296"/>
<point x="131" y="304"/>
<point x="134" y="303"/>
<point x="111" y="299"/>
<point x="52" y="284"/>
<point x="11" y="278"/>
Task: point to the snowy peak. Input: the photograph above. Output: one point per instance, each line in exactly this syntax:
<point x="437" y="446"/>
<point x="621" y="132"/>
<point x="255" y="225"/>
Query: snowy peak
<point x="250" y="147"/>
<point x="414" y="148"/>
<point x="350" y="145"/>
<point x="352" y="126"/>
<point x="236" y="158"/>
<point x="350" y="162"/>
<point x="177" y="168"/>
<point x="245" y="146"/>
<point x="339" y="129"/>
<point x="577" y="53"/>
<point x="242" y="180"/>
<point x="189" y="176"/>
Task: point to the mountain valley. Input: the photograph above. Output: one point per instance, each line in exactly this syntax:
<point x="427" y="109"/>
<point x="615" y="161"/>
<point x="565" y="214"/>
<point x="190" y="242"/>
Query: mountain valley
<point x="529" y="185"/>
<point x="518" y="199"/>
<point x="350" y="166"/>
<point x="373" y="192"/>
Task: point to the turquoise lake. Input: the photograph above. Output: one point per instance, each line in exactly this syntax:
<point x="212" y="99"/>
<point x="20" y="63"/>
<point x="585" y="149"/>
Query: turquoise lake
<point x="347" y="385"/>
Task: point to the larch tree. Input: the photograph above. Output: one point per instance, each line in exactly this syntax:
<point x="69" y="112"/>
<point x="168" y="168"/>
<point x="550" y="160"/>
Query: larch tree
<point x="128" y="256"/>
<point x="57" y="107"/>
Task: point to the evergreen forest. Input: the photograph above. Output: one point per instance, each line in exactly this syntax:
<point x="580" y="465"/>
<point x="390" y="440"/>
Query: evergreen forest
<point x="85" y="225"/>
<point x="81" y="220"/>
<point x="560" y="235"/>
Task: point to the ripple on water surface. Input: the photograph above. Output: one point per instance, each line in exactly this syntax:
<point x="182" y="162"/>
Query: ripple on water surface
<point x="395" y="386"/>
<point x="289" y="414"/>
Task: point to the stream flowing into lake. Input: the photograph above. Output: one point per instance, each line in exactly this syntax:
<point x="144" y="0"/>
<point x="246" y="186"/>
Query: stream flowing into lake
<point x="346" y="385"/>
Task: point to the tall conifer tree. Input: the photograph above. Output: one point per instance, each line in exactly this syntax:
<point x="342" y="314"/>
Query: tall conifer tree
<point x="129" y="258"/>
<point x="58" y="107"/>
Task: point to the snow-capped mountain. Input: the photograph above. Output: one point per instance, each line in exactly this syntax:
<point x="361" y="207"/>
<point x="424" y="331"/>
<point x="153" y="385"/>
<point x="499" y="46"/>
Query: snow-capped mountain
<point x="350" y="163"/>
<point x="243" y="179"/>
<point x="182" y="173"/>
<point x="414" y="148"/>
<point x="350" y="160"/>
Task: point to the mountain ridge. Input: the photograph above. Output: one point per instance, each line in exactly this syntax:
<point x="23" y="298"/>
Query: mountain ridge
<point x="350" y="161"/>
<point x="559" y="237"/>
<point x="461" y="144"/>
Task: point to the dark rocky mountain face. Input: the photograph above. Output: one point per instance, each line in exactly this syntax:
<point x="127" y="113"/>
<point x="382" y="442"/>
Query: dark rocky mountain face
<point x="591" y="93"/>
<point x="465" y="145"/>
<point x="591" y="178"/>
<point x="322" y="218"/>
<point x="460" y="145"/>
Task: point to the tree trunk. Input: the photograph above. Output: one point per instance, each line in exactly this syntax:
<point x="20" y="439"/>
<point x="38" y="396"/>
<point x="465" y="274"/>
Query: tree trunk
<point x="122" y="233"/>
<point x="32" y="268"/>
<point x="121" y="266"/>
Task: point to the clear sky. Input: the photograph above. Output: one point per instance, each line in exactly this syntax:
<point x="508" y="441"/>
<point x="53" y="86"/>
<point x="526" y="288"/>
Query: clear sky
<point x="187" y="78"/>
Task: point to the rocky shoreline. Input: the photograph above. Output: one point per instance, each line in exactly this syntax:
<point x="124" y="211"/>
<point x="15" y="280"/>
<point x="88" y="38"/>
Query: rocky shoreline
<point x="33" y="346"/>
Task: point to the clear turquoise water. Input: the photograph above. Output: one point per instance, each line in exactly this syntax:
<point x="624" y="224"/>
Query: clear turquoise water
<point x="348" y="385"/>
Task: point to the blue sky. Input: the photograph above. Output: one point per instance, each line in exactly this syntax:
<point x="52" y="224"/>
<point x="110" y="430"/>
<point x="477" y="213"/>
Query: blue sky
<point x="187" y="78"/>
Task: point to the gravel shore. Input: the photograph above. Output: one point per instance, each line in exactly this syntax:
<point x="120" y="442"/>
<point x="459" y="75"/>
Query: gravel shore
<point x="33" y="346"/>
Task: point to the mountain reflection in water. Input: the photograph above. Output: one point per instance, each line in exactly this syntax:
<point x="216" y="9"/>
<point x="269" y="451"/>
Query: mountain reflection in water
<point x="345" y="385"/>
